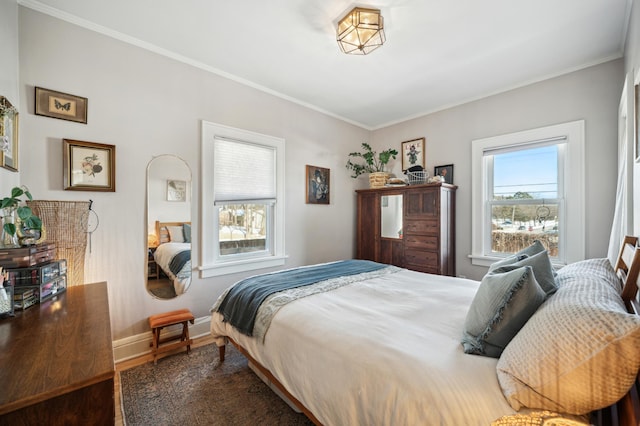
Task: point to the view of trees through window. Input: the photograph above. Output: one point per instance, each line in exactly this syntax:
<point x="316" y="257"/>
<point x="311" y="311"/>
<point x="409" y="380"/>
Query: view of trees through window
<point x="525" y="204"/>
<point x="242" y="228"/>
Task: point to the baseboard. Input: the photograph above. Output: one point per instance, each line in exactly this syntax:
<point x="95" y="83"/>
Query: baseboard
<point x="140" y="344"/>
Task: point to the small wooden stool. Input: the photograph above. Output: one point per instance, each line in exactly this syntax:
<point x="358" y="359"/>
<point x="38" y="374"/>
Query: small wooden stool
<point x="159" y="321"/>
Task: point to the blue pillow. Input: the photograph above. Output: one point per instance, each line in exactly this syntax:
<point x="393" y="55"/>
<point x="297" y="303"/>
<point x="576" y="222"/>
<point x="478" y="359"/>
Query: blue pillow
<point x="503" y="303"/>
<point x="186" y="231"/>
<point x="542" y="268"/>
<point x="535" y="248"/>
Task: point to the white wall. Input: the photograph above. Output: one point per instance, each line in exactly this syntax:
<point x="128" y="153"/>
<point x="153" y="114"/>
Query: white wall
<point x="148" y="105"/>
<point x="9" y="76"/>
<point x="591" y="94"/>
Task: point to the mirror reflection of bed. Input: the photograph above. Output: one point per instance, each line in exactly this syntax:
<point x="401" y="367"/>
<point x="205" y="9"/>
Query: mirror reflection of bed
<point x="168" y="254"/>
<point x="172" y="257"/>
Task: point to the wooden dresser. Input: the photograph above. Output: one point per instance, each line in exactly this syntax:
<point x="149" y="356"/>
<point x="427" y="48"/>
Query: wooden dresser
<point x="56" y="361"/>
<point x="425" y="241"/>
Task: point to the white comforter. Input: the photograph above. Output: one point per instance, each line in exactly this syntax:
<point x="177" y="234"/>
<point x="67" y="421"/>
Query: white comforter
<point x="163" y="256"/>
<point x="383" y="351"/>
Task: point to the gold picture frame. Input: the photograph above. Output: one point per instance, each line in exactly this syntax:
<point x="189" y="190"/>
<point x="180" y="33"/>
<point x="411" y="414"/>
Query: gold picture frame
<point x="64" y="106"/>
<point x="89" y="166"/>
<point x="318" y="189"/>
<point x="9" y="148"/>
<point x="413" y="154"/>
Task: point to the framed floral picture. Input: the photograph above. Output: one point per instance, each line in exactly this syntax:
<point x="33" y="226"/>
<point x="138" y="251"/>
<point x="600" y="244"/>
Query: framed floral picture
<point x="8" y="135"/>
<point x="413" y="154"/>
<point x="89" y="166"/>
<point x="318" y="181"/>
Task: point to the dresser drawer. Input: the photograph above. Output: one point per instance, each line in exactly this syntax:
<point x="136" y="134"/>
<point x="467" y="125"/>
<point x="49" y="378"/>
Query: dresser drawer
<point x="421" y="227"/>
<point x="424" y="242"/>
<point x="424" y="259"/>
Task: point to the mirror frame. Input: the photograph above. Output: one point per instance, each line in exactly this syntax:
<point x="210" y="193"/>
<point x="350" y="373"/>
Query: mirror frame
<point x="166" y="190"/>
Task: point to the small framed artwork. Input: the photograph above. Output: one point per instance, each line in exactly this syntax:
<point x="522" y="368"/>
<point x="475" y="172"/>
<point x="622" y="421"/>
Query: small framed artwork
<point x="8" y="135"/>
<point x="176" y="190"/>
<point x="318" y="185"/>
<point x="413" y="154"/>
<point x="89" y="166"/>
<point x="60" y="105"/>
<point x="446" y="172"/>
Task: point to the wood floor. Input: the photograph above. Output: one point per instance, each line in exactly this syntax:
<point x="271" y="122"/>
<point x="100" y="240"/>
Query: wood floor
<point x="121" y="366"/>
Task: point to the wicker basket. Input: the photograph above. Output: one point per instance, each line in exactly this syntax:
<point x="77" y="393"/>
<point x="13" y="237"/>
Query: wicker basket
<point x="378" y="179"/>
<point x="66" y="224"/>
<point x="417" y="178"/>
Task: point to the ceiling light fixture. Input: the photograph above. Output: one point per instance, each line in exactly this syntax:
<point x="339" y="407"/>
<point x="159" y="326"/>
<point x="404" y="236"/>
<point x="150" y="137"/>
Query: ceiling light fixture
<point x="361" y="31"/>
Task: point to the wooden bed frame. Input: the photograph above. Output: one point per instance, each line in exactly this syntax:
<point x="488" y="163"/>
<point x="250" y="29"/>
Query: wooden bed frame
<point x="163" y="233"/>
<point x="625" y="412"/>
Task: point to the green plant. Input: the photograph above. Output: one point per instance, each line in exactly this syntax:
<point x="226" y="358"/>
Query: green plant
<point x="27" y="219"/>
<point x="373" y="162"/>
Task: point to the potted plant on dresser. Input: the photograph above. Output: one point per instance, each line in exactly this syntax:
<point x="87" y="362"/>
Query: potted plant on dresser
<point x="19" y="225"/>
<point x="373" y="163"/>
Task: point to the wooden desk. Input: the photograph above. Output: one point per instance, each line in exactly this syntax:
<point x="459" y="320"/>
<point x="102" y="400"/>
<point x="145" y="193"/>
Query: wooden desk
<point x="56" y="361"/>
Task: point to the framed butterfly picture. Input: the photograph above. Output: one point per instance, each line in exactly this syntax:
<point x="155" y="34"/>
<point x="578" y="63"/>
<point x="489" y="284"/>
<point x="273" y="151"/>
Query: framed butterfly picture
<point x="64" y="106"/>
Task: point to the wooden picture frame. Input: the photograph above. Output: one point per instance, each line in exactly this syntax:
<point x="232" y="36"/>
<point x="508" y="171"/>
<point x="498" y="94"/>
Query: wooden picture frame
<point x="413" y="154"/>
<point x="89" y="166"/>
<point x="318" y="185"/>
<point x="176" y="190"/>
<point x="64" y="106"/>
<point x="9" y="146"/>
<point x="446" y="171"/>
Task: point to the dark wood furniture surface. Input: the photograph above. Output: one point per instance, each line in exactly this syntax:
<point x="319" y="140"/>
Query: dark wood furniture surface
<point x="153" y="272"/>
<point x="428" y="237"/>
<point x="56" y="361"/>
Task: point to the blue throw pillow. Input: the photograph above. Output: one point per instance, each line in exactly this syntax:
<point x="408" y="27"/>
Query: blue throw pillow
<point x="503" y="304"/>
<point x="186" y="230"/>
<point x="542" y="268"/>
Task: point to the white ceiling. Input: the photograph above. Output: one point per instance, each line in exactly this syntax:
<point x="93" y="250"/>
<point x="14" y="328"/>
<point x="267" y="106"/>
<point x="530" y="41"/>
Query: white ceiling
<point x="439" y="53"/>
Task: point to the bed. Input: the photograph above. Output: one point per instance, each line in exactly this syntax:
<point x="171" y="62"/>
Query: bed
<point x="386" y="345"/>
<point x="173" y="254"/>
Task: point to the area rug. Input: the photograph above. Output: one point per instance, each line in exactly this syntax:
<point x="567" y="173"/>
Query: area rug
<point x="195" y="389"/>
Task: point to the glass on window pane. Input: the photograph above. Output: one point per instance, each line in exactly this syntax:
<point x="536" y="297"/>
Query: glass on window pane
<point x="526" y="173"/>
<point x="242" y="228"/>
<point x="516" y="226"/>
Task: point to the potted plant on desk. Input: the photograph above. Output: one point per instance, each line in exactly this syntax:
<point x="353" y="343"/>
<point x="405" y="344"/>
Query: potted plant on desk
<point x="19" y="225"/>
<point x="374" y="164"/>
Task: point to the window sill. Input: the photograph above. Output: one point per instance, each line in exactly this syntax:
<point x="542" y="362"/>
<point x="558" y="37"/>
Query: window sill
<point x="207" y="271"/>
<point x="486" y="261"/>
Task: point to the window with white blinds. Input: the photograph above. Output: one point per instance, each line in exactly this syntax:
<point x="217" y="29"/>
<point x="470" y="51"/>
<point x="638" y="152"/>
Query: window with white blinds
<point x="244" y="171"/>
<point x="242" y="199"/>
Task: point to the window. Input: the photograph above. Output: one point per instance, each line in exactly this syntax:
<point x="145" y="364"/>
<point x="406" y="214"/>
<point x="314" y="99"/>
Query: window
<point x="242" y="200"/>
<point x="526" y="186"/>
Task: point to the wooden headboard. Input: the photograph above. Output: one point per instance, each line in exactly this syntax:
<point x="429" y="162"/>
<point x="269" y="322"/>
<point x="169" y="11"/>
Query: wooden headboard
<point x="626" y="411"/>
<point x="628" y="269"/>
<point x="163" y="233"/>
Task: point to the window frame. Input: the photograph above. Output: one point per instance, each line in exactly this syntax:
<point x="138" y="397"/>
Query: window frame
<point x="573" y="184"/>
<point x="211" y="263"/>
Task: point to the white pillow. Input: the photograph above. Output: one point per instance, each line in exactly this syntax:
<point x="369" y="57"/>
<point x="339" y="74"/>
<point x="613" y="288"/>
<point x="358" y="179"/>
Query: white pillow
<point x="577" y="353"/>
<point x="176" y="234"/>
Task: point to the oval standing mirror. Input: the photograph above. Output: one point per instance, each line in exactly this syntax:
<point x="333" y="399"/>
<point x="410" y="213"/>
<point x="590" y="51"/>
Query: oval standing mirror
<point x="168" y="257"/>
